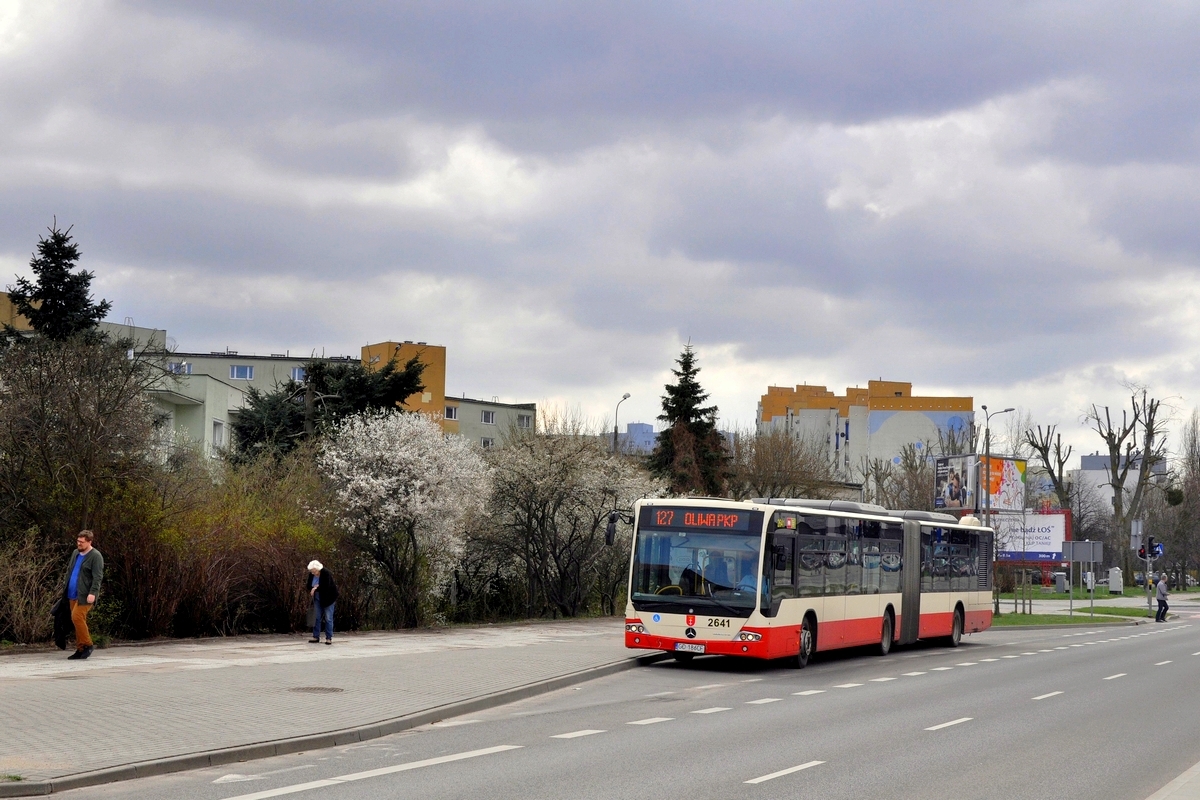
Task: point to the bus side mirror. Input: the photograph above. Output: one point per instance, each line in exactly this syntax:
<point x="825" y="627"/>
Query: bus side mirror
<point x="610" y="531"/>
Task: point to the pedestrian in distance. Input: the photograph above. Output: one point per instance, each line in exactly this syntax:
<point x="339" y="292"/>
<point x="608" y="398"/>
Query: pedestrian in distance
<point x="1161" y="595"/>
<point x="324" y="594"/>
<point x="81" y="585"/>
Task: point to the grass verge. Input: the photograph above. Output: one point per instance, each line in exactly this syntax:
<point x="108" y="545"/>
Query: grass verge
<point x="1017" y="620"/>
<point x="11" y="778"/>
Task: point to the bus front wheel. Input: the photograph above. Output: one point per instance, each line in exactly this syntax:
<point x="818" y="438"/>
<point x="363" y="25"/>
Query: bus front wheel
<point x="808" y="642"/>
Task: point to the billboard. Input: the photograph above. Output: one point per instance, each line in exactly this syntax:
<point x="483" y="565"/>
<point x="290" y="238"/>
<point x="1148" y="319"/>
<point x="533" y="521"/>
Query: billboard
<point x="1007" y="483"/>
<point x="1031" y="537"/>
<point x="955" y="482"/>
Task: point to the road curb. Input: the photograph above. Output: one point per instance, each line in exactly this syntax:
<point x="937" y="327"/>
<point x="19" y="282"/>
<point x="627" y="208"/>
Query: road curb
<point x="279" y="747"/>
<point x="1065" y="626"/>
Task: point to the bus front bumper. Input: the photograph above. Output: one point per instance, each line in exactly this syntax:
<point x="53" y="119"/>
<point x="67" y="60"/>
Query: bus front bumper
<point x="649" y="641"/>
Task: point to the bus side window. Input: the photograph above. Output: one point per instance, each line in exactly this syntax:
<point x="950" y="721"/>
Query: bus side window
<point x="854" y="565"/>
<point x="926" y="562"/>
<point x="891" y="558"/>
<point x="835" y="557"/>
<point x="810" y="561"/>
<point x="870" y="558"/>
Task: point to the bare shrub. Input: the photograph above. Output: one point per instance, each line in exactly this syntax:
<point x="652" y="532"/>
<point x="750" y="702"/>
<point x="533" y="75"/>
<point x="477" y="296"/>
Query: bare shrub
<point x="28" y="574"/>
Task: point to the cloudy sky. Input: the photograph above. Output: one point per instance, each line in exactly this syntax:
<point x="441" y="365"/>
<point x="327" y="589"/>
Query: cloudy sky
<point x="997" y="200"/>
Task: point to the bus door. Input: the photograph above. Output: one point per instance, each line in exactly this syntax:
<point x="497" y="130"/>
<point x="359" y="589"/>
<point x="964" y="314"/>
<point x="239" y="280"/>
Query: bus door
<point x="910" y="584"/>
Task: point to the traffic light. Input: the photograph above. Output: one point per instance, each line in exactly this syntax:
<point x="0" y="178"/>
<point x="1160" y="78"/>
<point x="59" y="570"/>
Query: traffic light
<point x="1150" y="546"/>
<point x="610" y="531"/>
<point x="1142" y="552"/>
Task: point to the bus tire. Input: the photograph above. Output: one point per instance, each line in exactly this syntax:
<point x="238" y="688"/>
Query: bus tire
<point x="683" y="658"/>
<point x="808" y="641"/>
<point x="887" y="634"/>
<point x="956" y="629"/>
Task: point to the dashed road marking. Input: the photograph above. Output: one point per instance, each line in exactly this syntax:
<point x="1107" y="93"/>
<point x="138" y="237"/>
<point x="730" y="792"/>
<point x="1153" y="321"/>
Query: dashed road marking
<point x="847" y="685"/>
<point x="709" y="686"/>
<point x="948" y="724"/>
<point x="1048" y="694"/>
<point x="1019" y="656"/>
<point x="807" y="692"/>
<point x="659" y="694"/>
<point x="966" y="664"/>
<point x="374" y="773"/>
<point x="881" y="680"/>
<point x="1060" y="648"/>
<point x="577" y="734"/>
<point x="1045" y="651"/>
<point x="751" y="680"/>
<point x="1118" y="675"/>
<point x="650" y="721"/>
<point x="989" y="659"/>
<point x="1029" y="654"/>
<point x="910" y="674"/>
<point x="783" y="772"/>
<point x="1159" y="664"/>
<point x="763" y="701"/>
<point x="940" y="669"/>
<point x="712" y="710"/>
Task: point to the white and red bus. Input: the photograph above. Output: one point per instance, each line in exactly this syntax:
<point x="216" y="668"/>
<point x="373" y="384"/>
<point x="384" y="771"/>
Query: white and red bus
<point x="788" y="578"/>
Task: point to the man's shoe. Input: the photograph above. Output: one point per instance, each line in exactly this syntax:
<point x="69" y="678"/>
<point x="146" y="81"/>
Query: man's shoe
<point x="314" y="641"/>
<point x="329" y="641"/>
<point x="87" y="651"/>
<point x="75" y="655"/>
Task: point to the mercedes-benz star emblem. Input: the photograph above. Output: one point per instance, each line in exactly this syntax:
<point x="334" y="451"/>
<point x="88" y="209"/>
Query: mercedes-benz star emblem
<point x="690" y="633"/>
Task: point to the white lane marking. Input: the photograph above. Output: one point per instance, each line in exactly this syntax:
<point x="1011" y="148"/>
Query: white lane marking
<point x="847" y="685"/>
<point x="1118" y="675"/>
<point x="966" y="664"/>
<point x="951" y="722"/>
<point x="712" y="710"/>
<point x="809" y="691"/>
<point x="374" y="773"/>
<point x="1060" y="648"/>
<point x="659" y="694"/>
<point x="1159" y="664"/>
<point x="751" y="680"/>
<point x="1076" y="645"/>
<point x="914" y="673"/>
<point x="989" y="659"/>
<point x="709" y="686"/>
<point x="763" y="701"/>
<point x="236" y="778"/>
<point x="940" y="669"/>
<point x="881" y="680"/>
<point x="1019" y="656"/>
<point x="1045" y="651"/>
<point x="650" y="720"/>
<point x="1196" y="654"/>
<point x="576" y="734"/>
<point x="1044" y="696"/>
<point x="783" y="772"/>
<point x="1029" y="654"/>
<point x="453" y="723"/>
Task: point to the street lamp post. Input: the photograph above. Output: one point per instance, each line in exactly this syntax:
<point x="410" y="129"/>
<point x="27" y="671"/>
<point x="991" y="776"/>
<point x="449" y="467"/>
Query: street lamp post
<point x="987" y="489"/>
<point x="617" y="411"/>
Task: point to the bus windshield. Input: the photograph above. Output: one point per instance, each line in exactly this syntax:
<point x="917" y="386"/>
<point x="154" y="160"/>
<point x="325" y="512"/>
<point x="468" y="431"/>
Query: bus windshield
<point x="698" y="559"/>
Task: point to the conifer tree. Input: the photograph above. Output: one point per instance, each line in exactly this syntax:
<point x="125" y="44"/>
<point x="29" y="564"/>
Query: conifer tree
<point x="59" y="305"/>
<point x="690" y="453"/>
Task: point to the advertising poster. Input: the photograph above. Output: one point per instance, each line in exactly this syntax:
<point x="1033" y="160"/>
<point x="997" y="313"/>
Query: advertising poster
<point x="954" y="482"/>
<point x="1030" y="537"/>
<point x="1007" y="483"/>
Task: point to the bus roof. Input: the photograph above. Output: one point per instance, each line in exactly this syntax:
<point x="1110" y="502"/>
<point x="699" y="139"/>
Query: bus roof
<point x="834" y="508"/>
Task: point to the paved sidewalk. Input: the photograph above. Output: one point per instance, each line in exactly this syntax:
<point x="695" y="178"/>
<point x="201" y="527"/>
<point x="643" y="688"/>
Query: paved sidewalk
<point x="163" y="701"/>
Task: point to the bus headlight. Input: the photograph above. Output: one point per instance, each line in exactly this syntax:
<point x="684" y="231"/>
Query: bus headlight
<point x="747" y="636"/>
<point x="634" y="628"/>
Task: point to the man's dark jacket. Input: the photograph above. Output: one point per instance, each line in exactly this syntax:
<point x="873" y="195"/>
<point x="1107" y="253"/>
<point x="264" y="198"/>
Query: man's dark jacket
<point x="326" y="588"/>
<point x="91" y="573"/>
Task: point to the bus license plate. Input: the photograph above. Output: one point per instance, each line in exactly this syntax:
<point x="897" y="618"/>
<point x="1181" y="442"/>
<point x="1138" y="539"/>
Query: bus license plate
<point x="688" y="647"/>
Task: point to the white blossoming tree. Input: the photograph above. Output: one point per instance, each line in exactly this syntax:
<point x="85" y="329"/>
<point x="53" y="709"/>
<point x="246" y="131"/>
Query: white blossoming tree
<point x="404" y="488"/>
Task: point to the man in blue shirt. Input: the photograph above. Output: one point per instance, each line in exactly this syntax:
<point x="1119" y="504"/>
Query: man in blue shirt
<point x="85" y="571"/>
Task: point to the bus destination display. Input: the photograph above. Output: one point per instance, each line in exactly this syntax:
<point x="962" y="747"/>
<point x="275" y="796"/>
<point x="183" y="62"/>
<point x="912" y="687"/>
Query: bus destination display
<point x="696" y="518"/>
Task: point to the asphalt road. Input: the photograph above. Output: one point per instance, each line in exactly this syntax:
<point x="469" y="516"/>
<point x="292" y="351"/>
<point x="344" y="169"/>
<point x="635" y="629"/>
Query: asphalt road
<point x="1106" y="713"/>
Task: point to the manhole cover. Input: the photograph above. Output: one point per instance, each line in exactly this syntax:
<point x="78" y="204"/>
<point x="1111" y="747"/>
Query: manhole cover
<point x="317" y="689"/>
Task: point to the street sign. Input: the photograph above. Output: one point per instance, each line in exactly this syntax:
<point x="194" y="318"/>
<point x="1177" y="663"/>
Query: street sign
<point x="1158" y="550"/>
<point x="1083" y="552"/>
<point x="1135" y="534"/>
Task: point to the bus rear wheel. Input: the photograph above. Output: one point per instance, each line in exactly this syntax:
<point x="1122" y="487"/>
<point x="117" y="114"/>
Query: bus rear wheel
<point x="957" y="630"/>
<point x="808" y="642"/>
<point x="885" y="637"/>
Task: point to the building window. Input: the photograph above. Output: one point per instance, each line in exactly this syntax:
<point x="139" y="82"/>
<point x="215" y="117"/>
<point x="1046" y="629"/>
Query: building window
<point x="241" y="372"/>
<point x="451" y="412"/>
<point x="487" y="417"/>
<point x="218" y="439"/>
<point x="180" y="368"/>
<point x="298" y="374"/>
<point x="524" y="420"/>
<point x="487" y="443"/>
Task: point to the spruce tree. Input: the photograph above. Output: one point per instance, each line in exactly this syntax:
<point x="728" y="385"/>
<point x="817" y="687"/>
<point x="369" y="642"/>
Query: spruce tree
<point x="690" y="453"/>
<point x="59" y="305"/>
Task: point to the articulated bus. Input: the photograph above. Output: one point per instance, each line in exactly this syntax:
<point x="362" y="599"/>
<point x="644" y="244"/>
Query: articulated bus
<point x="787" y="578"/>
